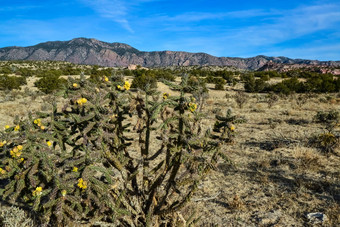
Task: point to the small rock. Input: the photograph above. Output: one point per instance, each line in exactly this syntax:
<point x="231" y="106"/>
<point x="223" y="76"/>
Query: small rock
<point x="316" y="218"/>
<point x="268" y="218"/>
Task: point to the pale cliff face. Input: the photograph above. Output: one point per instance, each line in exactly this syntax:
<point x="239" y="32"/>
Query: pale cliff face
<point x="95" y="52"/>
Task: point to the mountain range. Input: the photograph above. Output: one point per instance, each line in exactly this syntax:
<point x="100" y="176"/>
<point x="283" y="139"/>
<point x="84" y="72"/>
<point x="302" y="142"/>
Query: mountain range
<point x="95" y="52"/>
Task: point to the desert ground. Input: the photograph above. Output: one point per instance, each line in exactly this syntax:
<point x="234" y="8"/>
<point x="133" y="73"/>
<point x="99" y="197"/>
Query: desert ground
<point x="276" y="177"/>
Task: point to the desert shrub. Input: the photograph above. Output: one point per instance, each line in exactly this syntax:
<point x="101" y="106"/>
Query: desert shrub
<point x="271" y="99"/>
<point x="196" y="83"/>
<point x="266" y="75"/>
<point x="251" y="84"/>
<point x="210" y="79"/>
<point x="5" y="70"/>
<point x="229" y="77"/>
<point x="302" y="99"/>
<point x="25" y="72"/>
<point x="48" y="73"/>
<point x="330" y="140"/>
<point x="219" y="83"/>
<point x="329" y="119"/>
<point x="50" y="84"/>
<point x="14" y="216"/>
<point x="226" y="125"/>
<point x="326" y="142"/>
<point x="164" y="74"/>
<point x="322" y="83"/>
<point x="70" y="70"/>
<point x="288" y="86"/>
<point x="144" y="81"/>
<point x="77" y="165"/>
<point x="241" y="98"/>
<point x="11" y="82"/>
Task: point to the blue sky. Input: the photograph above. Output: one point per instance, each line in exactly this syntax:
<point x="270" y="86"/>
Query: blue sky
<point x="296" y="29"/>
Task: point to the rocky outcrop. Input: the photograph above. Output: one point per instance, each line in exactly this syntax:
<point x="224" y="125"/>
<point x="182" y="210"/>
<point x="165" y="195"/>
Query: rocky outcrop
<point x="95" y="52"/>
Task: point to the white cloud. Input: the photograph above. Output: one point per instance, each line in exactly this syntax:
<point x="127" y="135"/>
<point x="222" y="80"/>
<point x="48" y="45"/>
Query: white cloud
<point x="116" y="10"/>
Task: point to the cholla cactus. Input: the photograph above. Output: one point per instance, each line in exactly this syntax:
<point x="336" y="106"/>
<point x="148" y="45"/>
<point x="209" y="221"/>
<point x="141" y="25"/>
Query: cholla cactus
<point x="82" y="167"/>
<point x="226" y="125"/>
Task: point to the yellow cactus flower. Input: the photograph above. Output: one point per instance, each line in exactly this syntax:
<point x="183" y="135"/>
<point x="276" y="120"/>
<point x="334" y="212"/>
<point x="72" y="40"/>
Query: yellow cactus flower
<point x="37" y="191"/>
<point x="81" y="183"/>
<point x="2" y="171"/>
<point x="37" y="122"/>
<point x="49" y="143"/>
<point x="15" y="152"/>
<point x="166" y="95"/>
<point x="6" y="126"/>
<point x="17" y="128"/>
<point x="127" y="85"/>
<point x="106" y="79"/>
<point x="75" y="85"/>
<point x="42" y="127"/>
<point x="63" y="192"/>
<point x="75" y="169"/>
<point x="81" y="101"/>
<point x="232" y="128"/>
<point x="19" y="147"/>
<point x="192" y="107"/>
<point x="3" y="143"/>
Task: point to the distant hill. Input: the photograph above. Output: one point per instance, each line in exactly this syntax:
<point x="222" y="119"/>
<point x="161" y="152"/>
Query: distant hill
<point x="95" y="52"/>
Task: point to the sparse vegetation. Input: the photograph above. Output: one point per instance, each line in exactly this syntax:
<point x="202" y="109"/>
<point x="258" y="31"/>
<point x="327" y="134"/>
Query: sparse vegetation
<point x="88" y="152"/>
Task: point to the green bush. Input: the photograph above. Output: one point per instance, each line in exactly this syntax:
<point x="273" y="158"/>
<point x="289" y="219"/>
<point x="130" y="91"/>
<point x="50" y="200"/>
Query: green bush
<point x="219" y="83"/>
<point x="50" y="84"/>
<point x="143" y="81"/>
<point x="25" y="72"/>
<point x="6" y="70"/>
<point x="11" y="82"/>
<point x="49" y="73"/>
<point x="77" y="165"/>
<point x="330" y="119"/>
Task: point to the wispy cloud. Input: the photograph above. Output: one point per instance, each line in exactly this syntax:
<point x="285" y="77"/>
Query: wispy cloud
<point x="16" y="8"/>
<point x="323" y="52"/>
<point x="115" y="10"/>
<point x="201" y="16"/>
<point x="291" y="24"/>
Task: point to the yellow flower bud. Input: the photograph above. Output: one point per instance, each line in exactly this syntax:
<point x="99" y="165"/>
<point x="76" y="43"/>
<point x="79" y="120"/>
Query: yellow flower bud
<point x="81" y="101"/>
<point x="37" y="191"/>
<point x="75" y="85"/>
<point x="165" y="95"/>
<point x="17" y="128"/>
<point x="2" y="171"/>
<point x="6" y="126"/>
<point x="75" y="169"/>
<point x="127" y="85"/>
<point x="49" y="143"/>
<point x="81" y="183"/>
<point x="3" y="143"/>
<point x="63" y="192"/>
